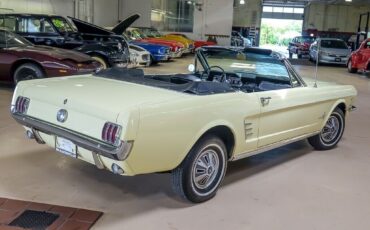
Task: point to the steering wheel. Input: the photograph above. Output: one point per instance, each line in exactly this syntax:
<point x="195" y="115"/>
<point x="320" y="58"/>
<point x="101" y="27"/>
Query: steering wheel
<point x="223" y="75"/>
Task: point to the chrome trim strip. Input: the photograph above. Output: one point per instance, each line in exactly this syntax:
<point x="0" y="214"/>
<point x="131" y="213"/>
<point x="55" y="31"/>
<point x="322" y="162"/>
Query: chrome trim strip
<point x="97" y="146"/>
<point x="272" y="146"/>
<point x="352" y="108"/>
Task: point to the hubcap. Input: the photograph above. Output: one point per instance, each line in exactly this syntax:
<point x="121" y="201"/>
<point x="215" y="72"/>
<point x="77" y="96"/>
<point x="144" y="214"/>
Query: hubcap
<point x="205" y="168"/>
<point x="330" y="130"/>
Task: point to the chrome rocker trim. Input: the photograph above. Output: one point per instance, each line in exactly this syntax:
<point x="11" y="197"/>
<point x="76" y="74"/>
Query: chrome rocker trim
<point x="96" y="146"/>
<point x="272" y="146"/>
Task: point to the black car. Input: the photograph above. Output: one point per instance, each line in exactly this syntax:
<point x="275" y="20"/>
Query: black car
<point x="58" y="31"/>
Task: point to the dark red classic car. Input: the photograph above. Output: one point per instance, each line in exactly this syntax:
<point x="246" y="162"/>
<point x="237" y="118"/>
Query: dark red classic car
<point x="360" y="59"/>
<point x="21" y="60"/>
<point x="300" y="45"/>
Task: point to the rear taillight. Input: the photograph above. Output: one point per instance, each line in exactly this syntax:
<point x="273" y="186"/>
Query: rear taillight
<point x="21" y="105"/>
<point x="111" y="133"/>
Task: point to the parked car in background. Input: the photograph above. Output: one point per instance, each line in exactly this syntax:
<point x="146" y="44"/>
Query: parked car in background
<point x="21" y="60"/>
<point x="154" y="33"/>
<point x="300" y="46"/>
<point x="197" y="43"/>
<point x="139" y="55"/>
<point x="360" y="59"/>
<point x="157" y="52"/>
<point x="331" y="51"/>
<point x="177" y="49"/>
<point x="192" y="124"/>
<point x="57" y="31"/>
<point x="239" y="40"/>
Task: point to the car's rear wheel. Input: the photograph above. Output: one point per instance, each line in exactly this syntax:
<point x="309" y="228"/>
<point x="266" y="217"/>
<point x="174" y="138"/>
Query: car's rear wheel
<point x="350" y="67"/>
<point x="27" y="71"/>
<point x="101" y="60"/>
<point x="332" y="132"/>
<point x="198" y="177"/>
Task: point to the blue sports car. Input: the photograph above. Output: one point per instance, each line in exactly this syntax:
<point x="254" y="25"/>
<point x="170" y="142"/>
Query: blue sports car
<point x="157" y="52"/>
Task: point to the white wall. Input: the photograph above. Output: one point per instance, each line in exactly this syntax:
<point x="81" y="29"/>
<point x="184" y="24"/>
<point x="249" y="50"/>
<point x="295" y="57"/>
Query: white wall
<point x="142" y="7"/>
<point x="105" y="12"/>
<point x="249" y="14"/>
<point x="100" y="12"/>
<point x="342" y="18"/>
<point x="216" y="17"/>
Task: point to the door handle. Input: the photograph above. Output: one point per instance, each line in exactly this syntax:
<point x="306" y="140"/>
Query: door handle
<point x="265" y="100"/>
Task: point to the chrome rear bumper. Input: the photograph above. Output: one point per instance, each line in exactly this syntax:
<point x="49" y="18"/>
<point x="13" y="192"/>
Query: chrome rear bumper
<point x="96" y="146"/>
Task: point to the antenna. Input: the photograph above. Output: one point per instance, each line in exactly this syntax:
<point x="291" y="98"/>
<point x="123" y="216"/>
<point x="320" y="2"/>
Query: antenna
<point x="317" y="60"/>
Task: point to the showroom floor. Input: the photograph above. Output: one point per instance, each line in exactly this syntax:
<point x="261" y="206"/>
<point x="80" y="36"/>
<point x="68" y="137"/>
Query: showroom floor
<point x="293" y="187"/>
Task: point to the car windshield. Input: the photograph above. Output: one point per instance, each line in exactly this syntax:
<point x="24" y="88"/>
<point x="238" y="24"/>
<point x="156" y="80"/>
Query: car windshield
<point x="136" y="34"/>
<point x="247" y="63"/>
<point x="334" y="44"/>
<point x="8" y="39"/>
<point x="306" y="39"/>
<point x="62" y="24"/>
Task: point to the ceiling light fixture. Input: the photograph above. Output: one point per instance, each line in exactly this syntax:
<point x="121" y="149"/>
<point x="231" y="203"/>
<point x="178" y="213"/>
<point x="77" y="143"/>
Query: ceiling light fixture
<point x="348" y="0"/>
<point x="242" y="2"/>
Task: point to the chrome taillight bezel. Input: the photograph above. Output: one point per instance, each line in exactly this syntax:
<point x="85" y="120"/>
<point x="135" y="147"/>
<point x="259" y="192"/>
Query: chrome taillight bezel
<point x="111" y="133"/>
<point x="21" y="105"/>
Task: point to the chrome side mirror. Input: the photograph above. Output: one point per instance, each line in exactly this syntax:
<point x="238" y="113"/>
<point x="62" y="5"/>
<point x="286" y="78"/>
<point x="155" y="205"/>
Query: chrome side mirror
<point x="191" y="68"/>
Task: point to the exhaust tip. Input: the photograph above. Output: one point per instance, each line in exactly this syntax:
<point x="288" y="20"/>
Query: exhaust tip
<point x="117" y="169"/>
<point x="30" y="135"/>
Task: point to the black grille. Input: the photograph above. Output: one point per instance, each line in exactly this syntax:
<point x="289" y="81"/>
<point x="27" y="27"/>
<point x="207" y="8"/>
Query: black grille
<point x="34" y="220"/>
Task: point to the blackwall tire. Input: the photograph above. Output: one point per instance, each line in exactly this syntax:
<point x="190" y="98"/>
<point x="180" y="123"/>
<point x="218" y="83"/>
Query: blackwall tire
<point x="27" y="71"/>
<point x="350" y="68"/>
<point x="331" y="133"/>
<point x="101" y="60"/>
<point x="199" y="176"/>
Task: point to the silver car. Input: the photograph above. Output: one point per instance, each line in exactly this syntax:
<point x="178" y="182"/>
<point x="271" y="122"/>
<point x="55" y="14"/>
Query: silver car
<point x="331" y="51"/>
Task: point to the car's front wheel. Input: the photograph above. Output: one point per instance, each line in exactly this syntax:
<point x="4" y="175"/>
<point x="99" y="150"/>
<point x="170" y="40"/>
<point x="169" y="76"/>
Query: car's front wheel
<point x="101" y="60"/>
<point x="27" y="71"/>
<point x="332" y="132"/>
<point x="350" y="67"/>
<point x="198" y="177"/>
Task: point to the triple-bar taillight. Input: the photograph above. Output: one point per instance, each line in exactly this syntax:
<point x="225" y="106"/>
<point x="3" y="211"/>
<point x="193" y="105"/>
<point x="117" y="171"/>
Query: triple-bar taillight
<point x="111" y="133"/>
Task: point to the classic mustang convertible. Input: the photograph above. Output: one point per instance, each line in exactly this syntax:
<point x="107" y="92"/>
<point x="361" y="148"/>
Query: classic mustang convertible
<point x="235" y="104"/>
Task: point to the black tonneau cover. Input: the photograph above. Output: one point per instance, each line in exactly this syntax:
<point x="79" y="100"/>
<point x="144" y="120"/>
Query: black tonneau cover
<point x="137" y="76"/>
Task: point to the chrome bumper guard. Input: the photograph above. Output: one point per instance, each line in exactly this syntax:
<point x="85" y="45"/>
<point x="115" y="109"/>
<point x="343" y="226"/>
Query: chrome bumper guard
<point x="96" y="146"/>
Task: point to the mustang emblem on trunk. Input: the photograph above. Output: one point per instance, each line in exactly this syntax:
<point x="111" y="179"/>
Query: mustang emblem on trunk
<point x="62" y="115"/>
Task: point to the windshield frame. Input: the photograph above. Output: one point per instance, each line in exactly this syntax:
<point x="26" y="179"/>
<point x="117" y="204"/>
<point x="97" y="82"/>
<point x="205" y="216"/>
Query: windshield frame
<point x="23" y="42"/>
<point x="66" y="22"/>
<point x="292" y="73"/>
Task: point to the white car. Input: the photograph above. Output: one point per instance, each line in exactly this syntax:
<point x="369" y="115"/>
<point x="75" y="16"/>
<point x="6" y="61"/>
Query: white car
<point x="139" y="55"/>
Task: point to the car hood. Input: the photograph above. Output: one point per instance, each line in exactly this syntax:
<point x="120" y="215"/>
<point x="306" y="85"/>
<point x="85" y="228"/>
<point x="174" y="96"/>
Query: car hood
<point x="336" y="51"/>
<point x="60" y="54"/>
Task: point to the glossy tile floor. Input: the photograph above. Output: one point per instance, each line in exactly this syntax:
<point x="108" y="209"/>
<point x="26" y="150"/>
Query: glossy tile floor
<point x="293" y="187"/>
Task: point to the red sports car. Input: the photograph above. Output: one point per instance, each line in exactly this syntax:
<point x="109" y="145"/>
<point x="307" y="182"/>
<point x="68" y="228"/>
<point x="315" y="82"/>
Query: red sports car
<point x="21" y="60"/>
<point x="360" y="59"/>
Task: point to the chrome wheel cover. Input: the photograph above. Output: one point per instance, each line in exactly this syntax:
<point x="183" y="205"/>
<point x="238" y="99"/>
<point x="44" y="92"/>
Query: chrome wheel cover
<point x="331" y="129"/>
<point x="205" y="168"/>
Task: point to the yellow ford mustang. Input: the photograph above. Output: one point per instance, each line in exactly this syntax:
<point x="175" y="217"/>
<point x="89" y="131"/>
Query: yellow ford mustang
<point x="235" y="104"/>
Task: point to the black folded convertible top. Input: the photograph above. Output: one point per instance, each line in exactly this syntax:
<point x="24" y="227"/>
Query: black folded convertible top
<point x="187" y="85"/>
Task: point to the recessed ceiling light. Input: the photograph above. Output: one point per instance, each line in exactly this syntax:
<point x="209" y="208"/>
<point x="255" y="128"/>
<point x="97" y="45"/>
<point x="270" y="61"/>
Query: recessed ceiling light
<point x="242" y="2"/>
<point x="348" y="0"/>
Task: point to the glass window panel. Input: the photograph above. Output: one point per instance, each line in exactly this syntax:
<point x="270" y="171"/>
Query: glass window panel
<point x="173" y="15"/>
<point x="288" y="10"/>
<point x="298" y="10"/>
<point x="267" y="9"/>
<point x="278" y="9"/>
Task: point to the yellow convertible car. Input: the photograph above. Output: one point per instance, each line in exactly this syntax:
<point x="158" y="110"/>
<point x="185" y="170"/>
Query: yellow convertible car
<point x="235" y="103"/>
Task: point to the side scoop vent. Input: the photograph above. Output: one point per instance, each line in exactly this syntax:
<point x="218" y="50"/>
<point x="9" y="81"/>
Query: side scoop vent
<point x="248" y="129"/>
